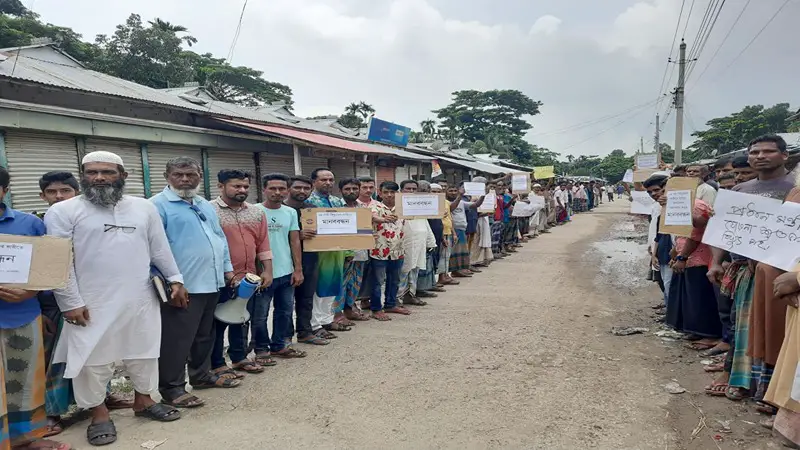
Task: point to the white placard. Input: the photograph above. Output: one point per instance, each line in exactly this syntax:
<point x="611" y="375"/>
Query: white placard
<point x="420" y="205"/>
<point x="536" y="200"/>
<point x="628" y="177"/>
<point x="519" y="183"/>
<point x="474" y="189"/>
<point x="641" y="203"/>
<point x="15" y="262"/>
<point x="489" y="202"/>
<point x="647" y="161"/>
<point x="337" y="223"/>
<point x="522" y="209"/>
<point x="760" y="228"/>
<point x="679" y="208"/>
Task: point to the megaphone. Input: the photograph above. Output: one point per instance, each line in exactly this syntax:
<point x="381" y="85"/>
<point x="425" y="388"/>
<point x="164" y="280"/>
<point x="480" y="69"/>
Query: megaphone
<point x="234" y="311"/>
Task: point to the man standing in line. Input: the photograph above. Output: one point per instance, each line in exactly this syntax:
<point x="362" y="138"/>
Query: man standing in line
<point x="330" y="265"/>
<point x="446" y="249"/>
<point x="22" y="364"/>
<point x="245" y="228"/>
<point x="418" y="238"/>
<point x="287" y="273"/>
<point x="56" y="187"/>
<point x="366" y="198"/>
<point x="480" y="251"/>
<point x="427" y="278"/>
<point x="386" y="258"/>
<point x="459" y="258"/>
<point x="345" y="308"/>
<point x="300" y="188"/>
<point x="591" y="197"/>
<point x="561" y="207"/>
<point x="110" y="309"/>
<point x="201" y="252"/>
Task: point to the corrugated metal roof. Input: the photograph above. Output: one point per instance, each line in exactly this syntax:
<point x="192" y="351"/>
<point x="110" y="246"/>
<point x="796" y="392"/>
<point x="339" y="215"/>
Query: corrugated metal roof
<point x="475" y="165"/>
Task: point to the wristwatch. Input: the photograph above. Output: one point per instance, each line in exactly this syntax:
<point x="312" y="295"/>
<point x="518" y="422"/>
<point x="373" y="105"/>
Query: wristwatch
<point x="681" y="258"/>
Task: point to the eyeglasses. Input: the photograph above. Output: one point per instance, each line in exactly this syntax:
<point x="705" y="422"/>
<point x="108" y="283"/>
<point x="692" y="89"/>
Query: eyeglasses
<point x="199" y="213"/>
<point x="124" y="229"/>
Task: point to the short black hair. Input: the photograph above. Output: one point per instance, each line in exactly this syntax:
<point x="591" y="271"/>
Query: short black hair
<point x="300" y="179"/>
<point x="273" y="177"/>
<point x="366" y="179"/>
<point x="740" y="162"/>
<point x="722" y="162"/>
<point x="226" y="175"/>
<point x="389" y="185"/>
<point x="345" y="181"/>
<point x="5" y="178"/>
<point x="656" y="180"/>
<point x="315" y="172"/>
<point x="404" y="183"/>
<point x="774" y="138"/>
<point x="58" y="177"/>
<point x="680" y="168"/>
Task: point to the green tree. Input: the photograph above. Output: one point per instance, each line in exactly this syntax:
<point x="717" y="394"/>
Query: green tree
<point x="428" y="128"/>
<point x="667" y="153"/>
<point x="19" y="26"/>
<point x="613" y="166"/>
<point x="733" y="132"/>
<point x="356" y="115"/>
<point x="241" y="85"/>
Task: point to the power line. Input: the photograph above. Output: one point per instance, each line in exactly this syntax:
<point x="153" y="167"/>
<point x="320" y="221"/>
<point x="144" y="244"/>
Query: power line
<point x="602" y="132"/>
<point x="754" y="38"/>
<point x="727" y="35"/>
<point x="236" y="33"/>
<point x="686" y="25"/>
<point x="671" y="49"/>
<point x="704" y="40"/>
<point x="588" y="123"/>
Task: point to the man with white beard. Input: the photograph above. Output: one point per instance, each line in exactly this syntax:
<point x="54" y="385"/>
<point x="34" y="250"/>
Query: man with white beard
<point x="110" y="308"/>
<point x="201" y="252"/>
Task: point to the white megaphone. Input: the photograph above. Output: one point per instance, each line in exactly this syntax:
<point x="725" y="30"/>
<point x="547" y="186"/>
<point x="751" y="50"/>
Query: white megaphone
<point x="234" y="311"/>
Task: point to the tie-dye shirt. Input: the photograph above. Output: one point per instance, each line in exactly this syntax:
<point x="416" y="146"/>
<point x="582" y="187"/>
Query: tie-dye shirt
<point x="330" y="265"/>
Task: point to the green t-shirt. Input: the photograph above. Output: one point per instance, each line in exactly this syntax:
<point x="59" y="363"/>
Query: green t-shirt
<point x="280" y="222"/>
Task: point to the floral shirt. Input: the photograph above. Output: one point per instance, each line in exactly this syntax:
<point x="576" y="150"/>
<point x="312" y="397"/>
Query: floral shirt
<point x="388" y="236"/>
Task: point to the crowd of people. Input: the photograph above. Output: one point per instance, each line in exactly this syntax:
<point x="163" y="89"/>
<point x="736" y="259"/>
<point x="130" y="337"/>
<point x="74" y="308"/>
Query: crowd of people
<point x="61" y="348"/>
<point x="730" y="307"/>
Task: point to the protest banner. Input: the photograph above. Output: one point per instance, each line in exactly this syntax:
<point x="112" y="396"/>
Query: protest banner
<point x="474" y="189"/>
<point x="520" y="183"/>
<point x="647" y="161"/>
<point x="760" y="228"/>
<point x="420" y="206"/>
<point x="676" y="216"/>
<point x="641" y="203"/>
<point x="338" y="229"/>
<point x="544" y="172"/>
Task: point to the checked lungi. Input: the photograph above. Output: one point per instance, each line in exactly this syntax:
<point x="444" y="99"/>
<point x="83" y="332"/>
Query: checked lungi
<point x="459" y="258"/>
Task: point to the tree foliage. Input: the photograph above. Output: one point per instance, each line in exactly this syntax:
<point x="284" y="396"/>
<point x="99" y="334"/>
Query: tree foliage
<point x="734" y="132"/>
<point x="612" y="167"/>
<point x="356" y="115"/>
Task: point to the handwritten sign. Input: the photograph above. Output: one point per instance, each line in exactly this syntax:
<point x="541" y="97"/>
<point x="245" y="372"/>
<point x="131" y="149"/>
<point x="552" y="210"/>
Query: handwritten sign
<point x="15" y="262"/>
<point x="337" y="223"/>
<point x="522" y="209"/>
<point x="676" y="216"/>
<point x="641" y="203"/>
<point x="544" y="172"/>
<point x="420" y="206"/>
<point x="759" y="228"/>
<point x="489" y="202"/>
<point x="520" y="183"/>
<point x="628" y="177"/>
<point x="536" y="201"/>
<point x="474" y="189"/>
<point x="647" y="161"/>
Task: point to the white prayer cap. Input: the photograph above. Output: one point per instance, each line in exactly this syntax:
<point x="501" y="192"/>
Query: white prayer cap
<point x="479" y="180"/>
<point x="102" y="157"/>
<point x="436" y="186"/>
<point x="537" y="185"/>
<point x="662" y="173"/>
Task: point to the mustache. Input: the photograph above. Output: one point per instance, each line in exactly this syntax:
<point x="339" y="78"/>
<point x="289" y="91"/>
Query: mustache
<point x="106" y="194"/>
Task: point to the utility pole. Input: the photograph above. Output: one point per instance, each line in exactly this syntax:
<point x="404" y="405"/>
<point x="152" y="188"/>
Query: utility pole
<point x="679" y="98"/>
<point x="641" y="143"/>
<point x="657" y="137"/>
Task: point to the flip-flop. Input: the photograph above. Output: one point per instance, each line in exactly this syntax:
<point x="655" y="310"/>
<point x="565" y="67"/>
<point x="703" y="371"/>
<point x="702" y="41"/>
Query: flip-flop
<point x="314" y="340"/>
<point x="735" y="394"/>
<point x="289" y="353"/>
<point x="717" y="389"/>
<point x="713" y="351"/>
<point x="186" y="400"/>
<point x="716" y="367"/>
<point x="54" y="428"/>
<point x="102" y="433"/>
<point x="264" y="360"/>
<point x="248" y="367"/>
<point x="159" y="412"/>
<point x="215" y="381"/>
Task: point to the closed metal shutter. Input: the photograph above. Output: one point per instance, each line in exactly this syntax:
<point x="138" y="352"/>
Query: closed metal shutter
<point x="228" y="159"/>
<point x="131" y="155"/>
<point x="271" y="163"/>
<point x="401" y="174"/>
<point x="31" y="155"/>
<point x="363" y="170"/>
<point x="157" y="157"/>
<point x="342" y="169"/>
<point x="311" y="163"/>
<point x="384" y="174"/>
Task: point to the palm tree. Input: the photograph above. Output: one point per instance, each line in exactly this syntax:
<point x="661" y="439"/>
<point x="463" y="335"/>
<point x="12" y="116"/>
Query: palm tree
<point x="570" y="158"/>
<point x="428" y="127"/>
<point x="168" y="27"/>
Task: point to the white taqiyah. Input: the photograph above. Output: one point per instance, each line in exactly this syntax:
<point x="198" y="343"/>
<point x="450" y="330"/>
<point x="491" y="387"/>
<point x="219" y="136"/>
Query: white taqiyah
<point x="102" y="157"/>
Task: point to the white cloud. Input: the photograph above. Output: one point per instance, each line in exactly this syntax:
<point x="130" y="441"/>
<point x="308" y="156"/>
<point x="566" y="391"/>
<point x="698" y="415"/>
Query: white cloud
<point x="406" y="56"/>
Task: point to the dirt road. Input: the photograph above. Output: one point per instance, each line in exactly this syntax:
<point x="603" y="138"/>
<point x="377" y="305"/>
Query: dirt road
<point x="518" y="357"/>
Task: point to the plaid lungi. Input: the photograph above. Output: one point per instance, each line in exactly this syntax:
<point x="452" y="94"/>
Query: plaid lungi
<point x="459" y="259"/>
<point x="22" y="415"/>
<point x="742" y="365"/>
<point x="427" y="277"/>
<point x="497" y="237"/>
<point x="353" y="276"/>
<point x="510" y="232"/>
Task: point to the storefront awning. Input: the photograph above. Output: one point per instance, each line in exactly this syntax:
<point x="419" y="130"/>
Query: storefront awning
<point x="476" y="165"/>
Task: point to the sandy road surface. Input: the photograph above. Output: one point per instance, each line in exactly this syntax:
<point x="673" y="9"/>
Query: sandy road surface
<point x="518" y="357"/>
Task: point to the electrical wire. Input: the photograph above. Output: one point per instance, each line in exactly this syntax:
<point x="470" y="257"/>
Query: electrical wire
<point x="727" y="35"/>
<point x="589" y="123"/>
<point x="669" y="58"/>
<point x="704" y="40"/>
<point x="689" y="16"/>
<point x="602" y="132"/>
<point x="237" y="33"/>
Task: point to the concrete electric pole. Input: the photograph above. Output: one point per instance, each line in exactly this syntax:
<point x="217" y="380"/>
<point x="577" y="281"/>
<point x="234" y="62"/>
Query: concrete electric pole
<point x="657" y="137"/>
<point x="679" y="98"/>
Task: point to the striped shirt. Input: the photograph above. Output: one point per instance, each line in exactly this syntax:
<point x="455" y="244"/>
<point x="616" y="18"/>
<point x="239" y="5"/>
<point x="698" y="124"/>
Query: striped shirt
<point x="247" y="234"/>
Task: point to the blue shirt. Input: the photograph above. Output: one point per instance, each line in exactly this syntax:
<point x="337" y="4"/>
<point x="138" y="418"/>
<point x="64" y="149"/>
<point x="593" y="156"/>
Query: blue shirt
<point x="197" y="241"/>
<point x="472" y="217"/>
<point x="15" y="315"/>
<point x="507" y="210"/>
<point x="280" y="222"/>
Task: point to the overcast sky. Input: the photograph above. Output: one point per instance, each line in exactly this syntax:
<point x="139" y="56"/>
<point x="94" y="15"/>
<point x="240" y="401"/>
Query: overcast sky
<point x="584" y="59"/>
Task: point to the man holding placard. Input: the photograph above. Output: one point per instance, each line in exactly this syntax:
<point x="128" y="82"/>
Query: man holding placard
<point x="459" y="259"/>
<point x="480" y="250"/>
<point x="345" y="308"/>
<point x="386" y="259"/>
<point x="417" y="240"/>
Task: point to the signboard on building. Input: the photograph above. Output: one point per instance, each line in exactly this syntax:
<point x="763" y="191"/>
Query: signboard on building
<point x="388" y="133"/>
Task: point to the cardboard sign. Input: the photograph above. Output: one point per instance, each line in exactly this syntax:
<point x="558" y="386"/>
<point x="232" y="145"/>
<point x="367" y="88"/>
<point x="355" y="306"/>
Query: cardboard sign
<point x="520" y="183"/>
<point x="420" y="206"/>
<point x="334" y="227"/>
<point x="647" y="161"/>
<point x="628" y="177"/>
<point x="674" y="219"/>
<point x="641" y="203"/>
<point x="544" y="172"/>
<point x="641" y="175"/>
<point x="760" y="228"/>
<point x="37" y="263"/>
<point x="489" y="202"/>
